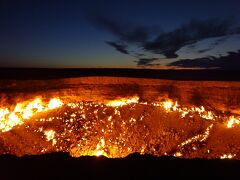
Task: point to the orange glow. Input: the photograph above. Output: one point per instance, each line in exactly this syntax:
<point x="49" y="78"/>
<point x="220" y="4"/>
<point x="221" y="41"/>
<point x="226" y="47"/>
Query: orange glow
<point x="55" y="103"/>
<point x="34" y="106"/>
<point x="232" y="121"/>
<point x="50" y="136"/>
<point x="123" y="101"/>
<point x="227" y="156"/>
<point x="167" y="105"/>
<point x="99" y="153"/>
<point x="98" y="134"/>
<point x="24" y="111"/>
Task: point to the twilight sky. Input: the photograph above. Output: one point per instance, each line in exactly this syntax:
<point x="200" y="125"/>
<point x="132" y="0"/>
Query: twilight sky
<point x="122" y="34"/>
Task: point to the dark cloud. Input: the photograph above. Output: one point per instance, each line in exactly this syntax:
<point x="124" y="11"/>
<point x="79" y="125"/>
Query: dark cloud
<point x="231" y="61"/>
<point x="168" y="43"/>
<point x="118" y="46"/>
<point x="139" y="54"/>
<point x="123" y="31"/>
<point x="204" y="50"/>
<point x="145" y="61"/>
<point x="218" y="41"/>
<point x="212" y="45"/>
<point x="154" y="40"/>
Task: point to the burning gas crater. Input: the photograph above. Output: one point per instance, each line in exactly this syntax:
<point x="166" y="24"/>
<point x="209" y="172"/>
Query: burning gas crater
<point x="115" y="129"/>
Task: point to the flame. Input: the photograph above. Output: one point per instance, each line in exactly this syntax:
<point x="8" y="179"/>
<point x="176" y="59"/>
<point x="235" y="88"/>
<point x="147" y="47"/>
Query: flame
<point x="199" y="137"/>
<point x="100" y="153"/>
<point x="50" y="134"/>
<point x="123" y="101"/>
<point x="177" y="154"/>
<point x="227" y="156"/>
<point x="24" y="111"/>
<point x="34" y="106"/>
<point x="232" y="121"/>
<point x="100" y="149"/>
<point x="55" y="103"/>
<point x="167" y="105"/>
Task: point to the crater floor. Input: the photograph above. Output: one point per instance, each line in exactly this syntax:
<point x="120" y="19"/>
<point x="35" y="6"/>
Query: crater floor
<point x="115" y="117"/>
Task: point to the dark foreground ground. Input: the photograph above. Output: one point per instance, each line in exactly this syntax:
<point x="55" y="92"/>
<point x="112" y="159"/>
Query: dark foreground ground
<point x="134" y="166"/>
<point x="44" y="73"/>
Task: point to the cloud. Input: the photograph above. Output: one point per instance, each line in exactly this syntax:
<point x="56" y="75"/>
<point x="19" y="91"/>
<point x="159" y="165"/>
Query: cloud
<point x="218" y="41"/>
<point x="213" y="44"/>
<point x="204" y="50"/>
<point x="153" y="41"/>
<point x="231" y="61"/>
<point x="168" y="43"/>
<point x="118" y="46"/>
<point x="145" y="61"/>
<point x="139" y="54"/>
<point x="123" y="31"/>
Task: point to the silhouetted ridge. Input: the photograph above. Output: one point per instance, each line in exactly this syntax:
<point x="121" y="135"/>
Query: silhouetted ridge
<point x="134" y="165"/>
<point x="35" y="73"/>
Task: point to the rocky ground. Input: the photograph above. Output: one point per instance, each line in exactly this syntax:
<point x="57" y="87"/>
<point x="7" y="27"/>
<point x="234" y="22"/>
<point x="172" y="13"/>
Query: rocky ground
<point x="90" y="127"/>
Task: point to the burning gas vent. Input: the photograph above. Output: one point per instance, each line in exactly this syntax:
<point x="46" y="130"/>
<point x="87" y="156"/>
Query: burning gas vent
<point x="117" y="128"/>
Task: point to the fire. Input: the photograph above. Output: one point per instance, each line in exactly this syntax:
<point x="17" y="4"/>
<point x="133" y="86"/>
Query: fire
<point x="50" y="134"/>
<point x="99" y="149"/>
<point x="94" y="125"/>
<point x="177" y="154"/>
<point x="55" y="103"/>
<point x="232" y="121"/>
<point x="167" y="105"/>
<point x="34" y="106"/>
<point x="199" y="137"/>
<point x="227" y="156"/>
<point x="24" y="111"/>
<point x="13" y="121"/>
<point x="123" y="101"/>
<point x="100" y="153"/>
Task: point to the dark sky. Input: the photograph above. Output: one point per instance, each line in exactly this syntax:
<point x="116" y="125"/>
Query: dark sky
<point x="132" y="34"/>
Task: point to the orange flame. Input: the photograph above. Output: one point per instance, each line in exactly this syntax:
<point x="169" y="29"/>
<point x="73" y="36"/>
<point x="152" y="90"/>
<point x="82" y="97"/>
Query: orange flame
<point x="24" y="111"/>
<point x="123" y="101"/>
<point x="232" y="121"/>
